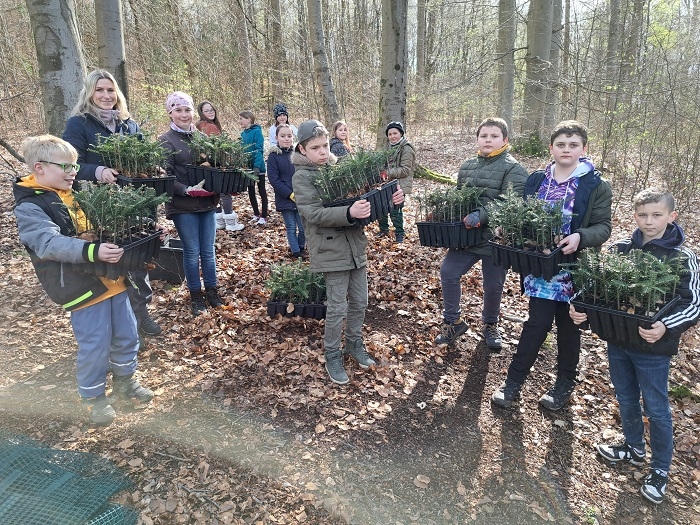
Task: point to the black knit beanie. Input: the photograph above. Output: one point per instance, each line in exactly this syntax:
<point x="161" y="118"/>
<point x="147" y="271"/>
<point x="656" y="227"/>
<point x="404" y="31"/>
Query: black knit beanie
<point x="394" y="125"/>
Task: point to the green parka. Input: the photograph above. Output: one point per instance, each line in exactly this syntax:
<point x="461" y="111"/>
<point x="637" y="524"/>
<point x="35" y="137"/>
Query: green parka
<point x="402" y="161"/>
<point x="493" y="175"/>
<point x="335" y="241"/>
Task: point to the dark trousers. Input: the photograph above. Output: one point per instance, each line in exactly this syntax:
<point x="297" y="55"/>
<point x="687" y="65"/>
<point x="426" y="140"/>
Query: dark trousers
<point x="263" y="195"/>
<point x="140" y="294"/>
<point x="535" y="330"/>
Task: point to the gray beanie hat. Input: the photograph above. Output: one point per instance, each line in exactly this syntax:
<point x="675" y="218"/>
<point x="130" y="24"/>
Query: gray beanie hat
<point x="310" y="129"/>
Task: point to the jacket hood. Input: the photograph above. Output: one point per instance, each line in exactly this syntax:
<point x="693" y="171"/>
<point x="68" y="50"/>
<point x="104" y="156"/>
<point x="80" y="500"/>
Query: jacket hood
<point x="302" y="161"/>
<point x="673" y="237"/>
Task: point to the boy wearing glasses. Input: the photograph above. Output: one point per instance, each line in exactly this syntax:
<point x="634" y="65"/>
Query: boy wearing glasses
<point x="47" y="221"/>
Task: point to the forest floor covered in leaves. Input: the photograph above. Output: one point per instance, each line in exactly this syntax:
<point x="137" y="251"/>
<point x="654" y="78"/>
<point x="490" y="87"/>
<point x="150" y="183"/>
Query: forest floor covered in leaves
<point x="246" y="428"/>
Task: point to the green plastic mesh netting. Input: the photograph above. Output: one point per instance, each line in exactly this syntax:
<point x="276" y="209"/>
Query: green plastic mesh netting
<point x="45" y="486"/>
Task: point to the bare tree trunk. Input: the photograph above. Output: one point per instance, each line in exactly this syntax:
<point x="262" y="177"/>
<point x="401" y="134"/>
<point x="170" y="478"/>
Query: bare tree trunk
<point x="420" y="40"/>
<point x="506" y="60"/>
<point x="551" y="113"/>
<point x="392" y="86"/>
<point x="279" y="64"/>
<point x="318" y="46"/>
<point x="110" y="41"/>
<point x="566" y="53"/>
<point x="60" y="58"/>
<point x="539" y="41"/>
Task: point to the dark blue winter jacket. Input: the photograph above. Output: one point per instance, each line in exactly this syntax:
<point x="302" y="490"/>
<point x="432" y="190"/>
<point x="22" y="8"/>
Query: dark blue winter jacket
<point x="280" y="171"/>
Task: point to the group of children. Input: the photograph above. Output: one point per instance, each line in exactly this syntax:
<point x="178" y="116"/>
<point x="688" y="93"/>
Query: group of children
<point x="337" y="248"/>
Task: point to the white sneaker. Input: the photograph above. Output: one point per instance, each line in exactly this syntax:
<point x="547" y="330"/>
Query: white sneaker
<point x="254" y="220"/>
<point x="262" y="221"/>
<point x="220" y="224"/>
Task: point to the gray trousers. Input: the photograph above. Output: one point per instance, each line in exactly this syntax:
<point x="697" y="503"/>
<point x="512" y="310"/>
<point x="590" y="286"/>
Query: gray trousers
<point x="346" y="300"/>
<point x="454" y="266"/>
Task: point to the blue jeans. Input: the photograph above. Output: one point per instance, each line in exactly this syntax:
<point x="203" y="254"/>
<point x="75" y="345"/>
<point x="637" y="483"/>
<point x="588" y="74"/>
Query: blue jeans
<point x="197" y="232"/>
<point x="295" y="230"/>
<point x="454" y="266"/>
<point x="634" y="373"/>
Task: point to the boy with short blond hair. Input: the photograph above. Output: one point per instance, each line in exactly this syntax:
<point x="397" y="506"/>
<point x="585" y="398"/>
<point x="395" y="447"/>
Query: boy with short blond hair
<point x="633" y="372"/>
<point x="103" y="321"/>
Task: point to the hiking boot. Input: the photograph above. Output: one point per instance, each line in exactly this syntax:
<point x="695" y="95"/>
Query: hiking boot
<point x="399" y="238"/>
<point x="335" y="369"/>
<point x="359" y="353"/>
<point x="623" y="452"/>
<point x="557" y="396"/>
<point x="654" y="485"/>
<point x="492" y="336"/>
<point x="147" y="326"/>
<point x="197" y="304"/>
<point x="451" y="332"/>
<point x="100" y="411"/>
<point x="382" y="233"/>
<point x="212" y="295"/>
<point x="127" y="388"/>
<point x="506" y="393"/>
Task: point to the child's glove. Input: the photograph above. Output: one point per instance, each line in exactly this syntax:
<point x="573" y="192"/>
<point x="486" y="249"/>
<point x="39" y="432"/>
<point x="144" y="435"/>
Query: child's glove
<point x="472" y="220"/>
<point x="198" y="190"/>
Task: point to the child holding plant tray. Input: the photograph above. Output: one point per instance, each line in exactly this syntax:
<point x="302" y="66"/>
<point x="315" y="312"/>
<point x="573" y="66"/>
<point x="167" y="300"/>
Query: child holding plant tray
<point x="570" y="179"/>
<point x="192" y="208"/>
<point x="337" y="248"/>
<point x="493" y="170"/>
<point x="634" y="372"/>
<point x="101" y="316"/>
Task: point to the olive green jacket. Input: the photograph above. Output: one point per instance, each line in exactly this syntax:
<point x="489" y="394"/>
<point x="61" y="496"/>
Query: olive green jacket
<point x="493" y="175"/>
<point x="335" y="241"/>
<point x="402" y="161"/>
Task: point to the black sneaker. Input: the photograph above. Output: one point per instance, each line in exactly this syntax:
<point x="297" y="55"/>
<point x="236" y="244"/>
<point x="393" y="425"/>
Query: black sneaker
<point x="399" y="238"/>
<point x="654" y="486"/>
<point x="335" y="368"/>
<point x="451" y="332"/>
<point x="492" y="336"/>
<point x="100" y="411"/>
<point x="127" y="388"/>
<point x="506" y="393"/>
<point x="359" y="353"/>
<point x="623" y="452"/>
<point x="198" y="304"/>
<point x="557" y="396"/>
<point x="382" y="233"/>
<point x="148" y="326"/>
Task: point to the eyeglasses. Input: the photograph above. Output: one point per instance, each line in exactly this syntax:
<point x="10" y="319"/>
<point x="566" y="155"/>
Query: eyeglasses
<point x="67" y="167"/>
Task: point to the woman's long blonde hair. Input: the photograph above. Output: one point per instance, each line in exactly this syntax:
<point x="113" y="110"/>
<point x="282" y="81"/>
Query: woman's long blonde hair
<point x="85" y="104"/>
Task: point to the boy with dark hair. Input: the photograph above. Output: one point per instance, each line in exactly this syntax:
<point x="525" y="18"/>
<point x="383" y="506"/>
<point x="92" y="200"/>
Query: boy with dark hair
<point x="337" y="248"/>
<point x="103" y="321"/>
<point x="572" y="179"/>
<point x="492" y="170"/>
<point x="635" y="372"/>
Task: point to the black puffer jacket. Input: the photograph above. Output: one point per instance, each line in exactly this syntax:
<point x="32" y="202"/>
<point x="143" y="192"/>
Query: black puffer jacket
<point x="179" y="145"/>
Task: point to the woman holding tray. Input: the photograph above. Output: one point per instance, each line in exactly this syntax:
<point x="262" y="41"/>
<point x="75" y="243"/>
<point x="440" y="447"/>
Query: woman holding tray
<point x="100" y="112"/>
<point x="192" y="208"/>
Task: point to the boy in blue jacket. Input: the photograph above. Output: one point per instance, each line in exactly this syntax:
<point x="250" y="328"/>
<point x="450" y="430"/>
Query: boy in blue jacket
<point x="635" y="372"/>
<point x="47" y="221"/>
